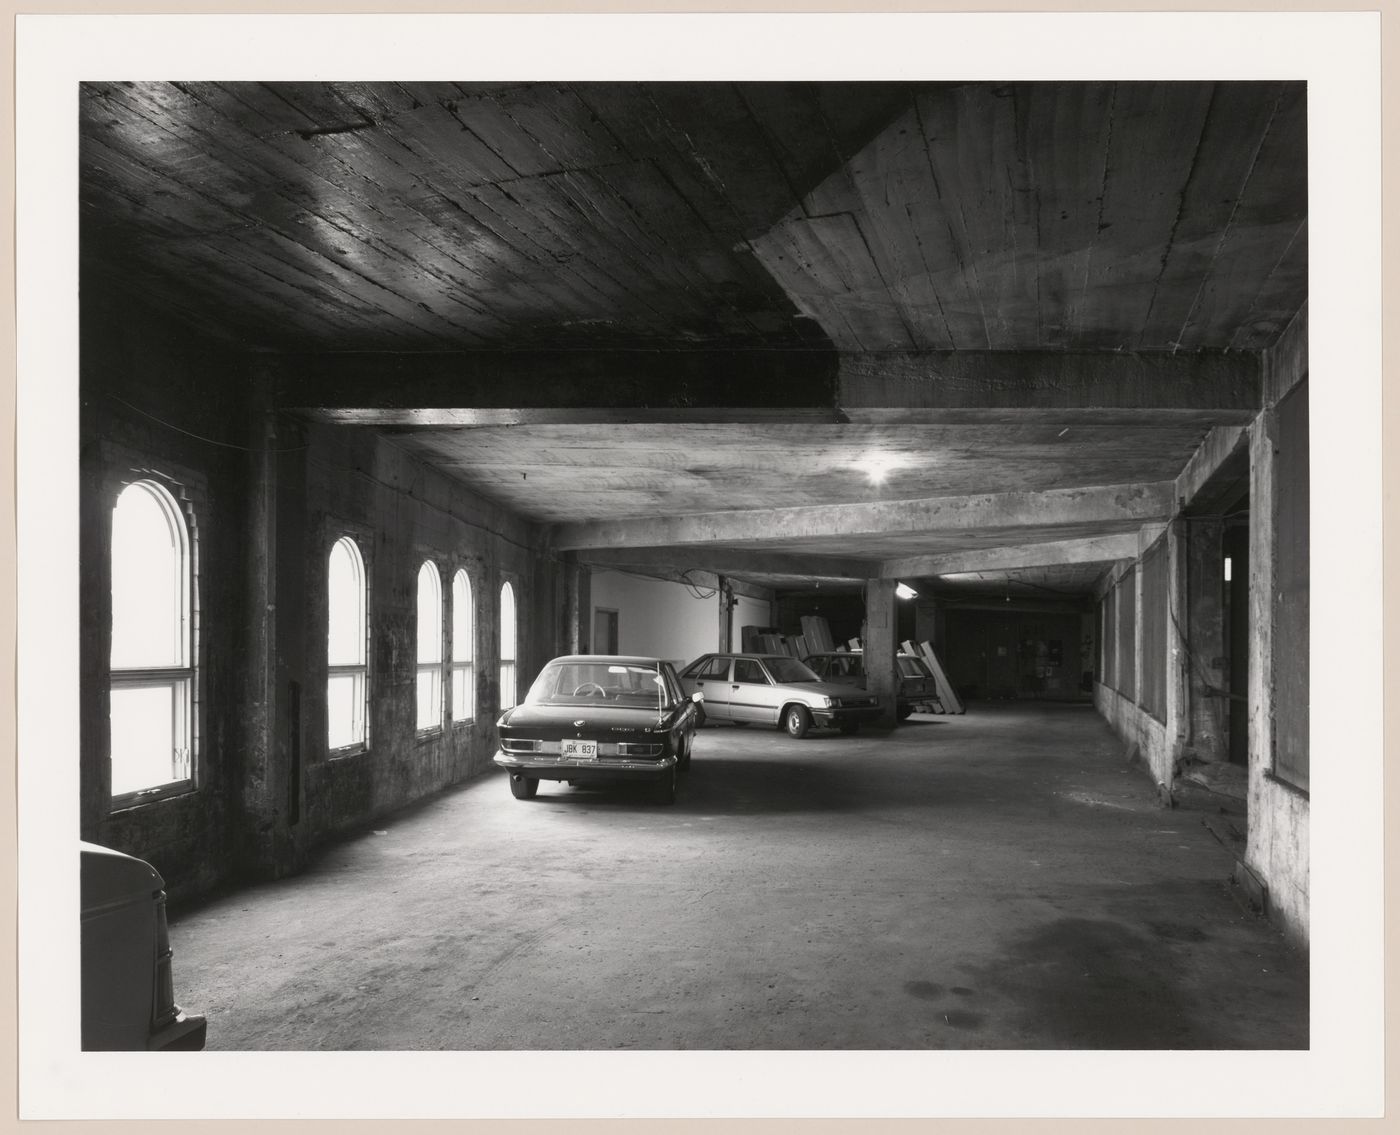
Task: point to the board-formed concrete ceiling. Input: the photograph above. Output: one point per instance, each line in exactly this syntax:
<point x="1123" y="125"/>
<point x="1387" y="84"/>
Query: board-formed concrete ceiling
<point x="604" y="303"/>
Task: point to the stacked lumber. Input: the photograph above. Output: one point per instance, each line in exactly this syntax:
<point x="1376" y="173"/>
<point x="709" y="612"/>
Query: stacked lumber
<point x="817" y="634"/>
<point x="951" y="702"/>
<point x="751" y="638"/>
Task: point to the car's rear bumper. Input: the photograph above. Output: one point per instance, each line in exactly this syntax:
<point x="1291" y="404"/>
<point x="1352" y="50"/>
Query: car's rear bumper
<point x="548" y="767"/>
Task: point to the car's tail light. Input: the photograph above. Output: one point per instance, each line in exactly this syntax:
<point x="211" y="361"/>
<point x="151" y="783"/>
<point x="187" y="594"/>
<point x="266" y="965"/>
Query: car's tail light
<point x="518" y="745"/>
<point x="637" y="749"/>
<point x="163" y="1009"/>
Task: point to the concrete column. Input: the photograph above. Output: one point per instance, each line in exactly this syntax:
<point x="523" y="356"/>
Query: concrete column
<point x="264" y="842"/>
<point x="568" y="642"/>
<point x="1176" y="709"/>
<point x="881" y="673"/>
<point x="1207" y="712"/>
<point x="1262" y="444"/>
<point x="726" y="615"/>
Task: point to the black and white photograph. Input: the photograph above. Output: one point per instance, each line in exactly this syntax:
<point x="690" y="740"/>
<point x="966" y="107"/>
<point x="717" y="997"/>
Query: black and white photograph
<point x="585" y="578"/>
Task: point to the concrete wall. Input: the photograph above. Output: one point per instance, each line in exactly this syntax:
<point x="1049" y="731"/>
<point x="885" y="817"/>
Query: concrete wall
<point x="1278" y="844"/>
<point x="401" y="514"/>
<point x="751" y="612"/>
<point x="1278" y="841"/>
<point x="1155" y="740"/>
<point x="659" y="617"/>
<point x="268" y="496"/>
<point x="156" y="398"/>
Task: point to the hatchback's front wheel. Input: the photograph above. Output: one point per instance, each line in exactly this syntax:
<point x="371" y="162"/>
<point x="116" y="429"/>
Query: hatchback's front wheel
<point x="796" y="720"/>
<point x="523" y="787"/>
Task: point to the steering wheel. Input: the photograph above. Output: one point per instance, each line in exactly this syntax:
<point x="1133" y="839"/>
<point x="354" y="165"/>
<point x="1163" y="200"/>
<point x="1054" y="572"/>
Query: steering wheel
<point x="589" y="689"/>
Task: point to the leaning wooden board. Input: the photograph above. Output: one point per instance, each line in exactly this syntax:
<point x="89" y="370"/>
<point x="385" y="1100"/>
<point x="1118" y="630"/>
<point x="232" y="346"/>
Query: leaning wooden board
<point x="951" y="702"/>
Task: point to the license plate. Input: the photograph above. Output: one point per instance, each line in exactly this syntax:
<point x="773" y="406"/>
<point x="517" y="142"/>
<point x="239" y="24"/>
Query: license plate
<point x="579" y="750"/>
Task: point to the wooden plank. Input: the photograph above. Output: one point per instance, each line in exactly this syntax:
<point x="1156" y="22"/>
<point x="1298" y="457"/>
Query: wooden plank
<point x="946" y="694"/>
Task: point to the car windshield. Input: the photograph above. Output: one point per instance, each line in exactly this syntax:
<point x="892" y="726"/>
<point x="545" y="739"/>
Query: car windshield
<point x="789" y="670"/>
<point x="638" y="684"/>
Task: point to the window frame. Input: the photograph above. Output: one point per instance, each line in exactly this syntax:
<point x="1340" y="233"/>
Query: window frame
<point x="180" y="493"/>
<point x="506" y="665"/>
<point x="361" y="669"/>
<point x="435" y="669"/>
<point x="457" y="666"/>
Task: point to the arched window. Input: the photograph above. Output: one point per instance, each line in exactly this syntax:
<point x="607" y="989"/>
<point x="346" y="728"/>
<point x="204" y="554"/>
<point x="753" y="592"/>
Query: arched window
<point x="507" y="645"/>
<point x="429" y="646"/>
<point x="463" y="624"/>
<point x="347" y="646"/>
<point x="152" y="661"/>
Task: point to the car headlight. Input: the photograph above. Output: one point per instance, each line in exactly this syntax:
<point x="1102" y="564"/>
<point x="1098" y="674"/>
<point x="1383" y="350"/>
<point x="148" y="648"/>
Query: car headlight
<point x="823" y="702"/>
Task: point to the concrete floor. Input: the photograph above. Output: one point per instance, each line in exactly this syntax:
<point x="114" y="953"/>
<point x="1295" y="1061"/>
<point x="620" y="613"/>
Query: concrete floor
<point x="999" y="880"/>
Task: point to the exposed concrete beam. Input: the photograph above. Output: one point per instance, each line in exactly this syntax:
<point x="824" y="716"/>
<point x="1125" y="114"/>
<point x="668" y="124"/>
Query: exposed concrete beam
<point x="696" y="577"/>
<point x="547" y="387"/>
<point x="730" y="561"/>
<point x="1113" y="506"/>
<point x="1119" y="546"/>
<point x="1286" y="362"/>
<point x="915" y="387"/>
<point x="1102" y="387"/>
<point x="1223" y="446"/>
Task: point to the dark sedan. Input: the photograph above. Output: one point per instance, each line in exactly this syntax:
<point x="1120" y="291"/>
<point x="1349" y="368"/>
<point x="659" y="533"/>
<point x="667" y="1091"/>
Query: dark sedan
<point x="600" y="717"/>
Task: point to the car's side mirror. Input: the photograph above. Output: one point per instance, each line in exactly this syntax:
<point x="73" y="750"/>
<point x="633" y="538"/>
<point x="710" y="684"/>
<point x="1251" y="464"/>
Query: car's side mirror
<point x="697" y="697"/>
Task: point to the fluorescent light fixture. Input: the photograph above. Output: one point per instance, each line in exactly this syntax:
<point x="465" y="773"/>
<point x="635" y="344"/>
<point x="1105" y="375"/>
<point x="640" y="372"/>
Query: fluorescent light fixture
<point x="904" y="591"/>
<point x="1227" y="569"/>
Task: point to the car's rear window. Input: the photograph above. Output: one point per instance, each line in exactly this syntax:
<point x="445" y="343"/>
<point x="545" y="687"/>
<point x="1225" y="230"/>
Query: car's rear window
<point x="601" y="683"/>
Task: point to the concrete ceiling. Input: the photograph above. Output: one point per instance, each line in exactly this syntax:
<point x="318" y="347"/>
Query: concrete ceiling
<point x="671" y="320"/>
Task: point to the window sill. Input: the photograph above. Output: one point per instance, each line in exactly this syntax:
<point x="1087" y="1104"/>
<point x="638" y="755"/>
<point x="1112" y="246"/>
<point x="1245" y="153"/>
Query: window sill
<point x="357" y="750"/>
<point x="1287" y="785"/>
<point x="131" y="801"/>
<point x="428" y="734"/>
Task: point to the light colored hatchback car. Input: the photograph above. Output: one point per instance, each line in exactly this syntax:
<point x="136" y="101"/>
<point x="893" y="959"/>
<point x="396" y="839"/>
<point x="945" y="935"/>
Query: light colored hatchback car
<point x="775" y="689"/>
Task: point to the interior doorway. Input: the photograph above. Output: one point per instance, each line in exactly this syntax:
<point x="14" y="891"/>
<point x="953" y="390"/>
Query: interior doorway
<point x="604" y="631"/>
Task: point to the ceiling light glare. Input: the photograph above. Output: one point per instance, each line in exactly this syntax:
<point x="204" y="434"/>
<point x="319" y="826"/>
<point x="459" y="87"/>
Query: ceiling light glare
<point x="877" y="466"/>
<point x="904" y="591"/>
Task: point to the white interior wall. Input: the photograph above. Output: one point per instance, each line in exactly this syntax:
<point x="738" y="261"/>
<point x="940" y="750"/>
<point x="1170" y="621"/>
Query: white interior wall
<point x="656" y="617"/>
<point x="750" y="613"/>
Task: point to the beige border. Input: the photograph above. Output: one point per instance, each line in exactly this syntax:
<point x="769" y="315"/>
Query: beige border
<point x="1391" y="359"/>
